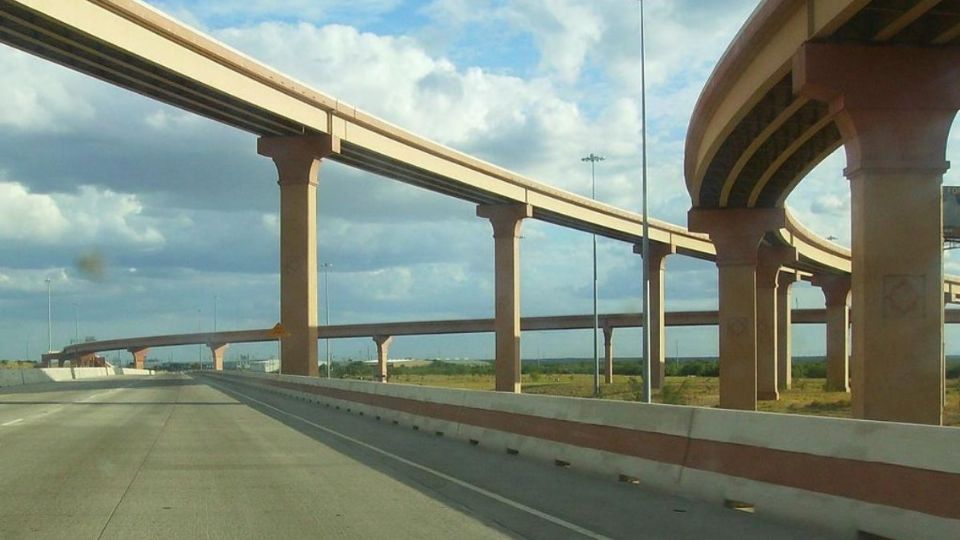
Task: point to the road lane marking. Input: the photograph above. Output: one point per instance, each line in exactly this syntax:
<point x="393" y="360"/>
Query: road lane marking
<point x="466" y="485"/>
<point x="12" y="422"/>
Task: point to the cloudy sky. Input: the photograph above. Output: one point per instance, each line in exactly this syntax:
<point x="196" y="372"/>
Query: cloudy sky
<point x="184" y="213"/>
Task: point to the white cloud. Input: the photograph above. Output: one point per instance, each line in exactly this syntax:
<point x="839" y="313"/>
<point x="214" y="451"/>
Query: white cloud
<point x="87" y="216"/>
<point x="29" y="216"/>
<point x="36" y="97"/>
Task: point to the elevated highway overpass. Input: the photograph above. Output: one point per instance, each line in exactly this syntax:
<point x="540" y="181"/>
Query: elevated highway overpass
<point x="129" y="44"/>
<point x="800" y="80"/>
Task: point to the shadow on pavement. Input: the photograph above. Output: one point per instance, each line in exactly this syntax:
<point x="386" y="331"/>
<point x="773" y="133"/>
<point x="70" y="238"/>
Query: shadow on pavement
<point x="601" y="505"/>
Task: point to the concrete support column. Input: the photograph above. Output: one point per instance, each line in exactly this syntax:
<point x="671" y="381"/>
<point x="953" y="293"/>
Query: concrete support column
<point x="736" y="235"/>
<point x="836" y="292"/>
<point x="298" y="161"/>
<point x="768" y="271"/>
<point x="658" y="347"/>
<point x="383" y="354"/>
<point x="894" y="106"/>
<point x="87" y="360"/>
<point x="506" y="220"/>
<point x="139" y="357"/>
<point x="217" y="351"/>
<point x="608" y="354"/>
<point x="784" y="331"/>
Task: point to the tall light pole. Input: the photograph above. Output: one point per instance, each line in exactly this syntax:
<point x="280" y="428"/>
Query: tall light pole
<point x="325" y="268"/>
<point x="199" y="345"/>
<point x="593" y="159"/>
<point x="215" y="299"/>
<point x="647" y="333"/>
<point x="49" y="318"/>
<point x="76" y="320"/>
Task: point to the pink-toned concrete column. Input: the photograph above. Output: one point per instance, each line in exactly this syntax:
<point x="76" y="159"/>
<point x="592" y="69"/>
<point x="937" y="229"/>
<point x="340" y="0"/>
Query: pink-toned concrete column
<point x="894" y="106"/>
<point x="298" y="161"/>
<point x="608" y="354"/>
<point x="784" y="331"/>
<point x="736" y="235"/>
<point x="383" y="355"/>
<point x="506" y="220"/>
<point x="657" y="268"/>
<point x="139" y="357"/>
<point x="771" y="259"/>
<point x="836" y="292"/>
<point x="217" y="351"/>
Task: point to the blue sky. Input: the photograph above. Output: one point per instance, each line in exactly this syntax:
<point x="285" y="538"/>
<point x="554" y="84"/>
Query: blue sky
<point x="182" y="209"/>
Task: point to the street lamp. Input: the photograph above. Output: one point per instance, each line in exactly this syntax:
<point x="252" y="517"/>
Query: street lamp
<point x="49" y="319"/>
<point x="199" y="345"/>
<point x="76" y="320"/>
<point x="325" y="268"/>
<point x="215" y="299"/>
<point x="593" y="159"/>
<point x="645" y="244"/>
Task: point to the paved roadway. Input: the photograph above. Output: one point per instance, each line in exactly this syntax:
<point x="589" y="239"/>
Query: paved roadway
<point x="180" y="457"/>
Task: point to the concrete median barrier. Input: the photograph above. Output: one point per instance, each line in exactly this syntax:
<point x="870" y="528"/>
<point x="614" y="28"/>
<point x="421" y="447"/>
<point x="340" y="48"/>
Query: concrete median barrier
<point x="845" y="476"/>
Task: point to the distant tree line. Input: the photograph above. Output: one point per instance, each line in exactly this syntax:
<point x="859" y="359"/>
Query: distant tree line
<point x="807" y="369"/>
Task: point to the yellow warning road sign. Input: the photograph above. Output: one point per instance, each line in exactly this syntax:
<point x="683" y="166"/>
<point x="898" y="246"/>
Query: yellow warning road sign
<point x="278" y="331"/>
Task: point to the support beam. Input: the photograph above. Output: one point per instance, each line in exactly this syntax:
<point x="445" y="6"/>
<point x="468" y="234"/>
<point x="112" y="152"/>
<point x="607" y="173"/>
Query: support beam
<point x="784" y="329"/>
<point x="894" y="106"/>
<point x="771" y="259"/>
<point x="139" y="357"/>
<point x="506" y="220"/>
<point x="217" y="351"/>
<point x="736" y="235"/>
<point x="383" y="355"/>
<point x="608" y="354"/>
<point x="657" y="269"/>
<point x="298" y="161"/>
<point x="836" y="293"/>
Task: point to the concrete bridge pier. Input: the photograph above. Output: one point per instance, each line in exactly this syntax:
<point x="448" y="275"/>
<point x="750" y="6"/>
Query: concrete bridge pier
<point x="383" y="354"/>
<point x="784" y="330"/>
<point x="657" y="268"/>
<point x="217" y="351"/>
<point x="506" y="220"/>
<point x="139" y="357"/>
<point x="894" y="106"/>
<point x="608" y="354"/>
<point x="298" y="161"/>
<point x="736" y="235"/>
<point x="836" y="292"/>
<point x="770" y="260"/>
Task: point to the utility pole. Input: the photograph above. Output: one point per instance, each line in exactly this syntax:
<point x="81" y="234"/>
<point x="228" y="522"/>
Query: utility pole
<point x="593" y="159"/>
<point x="49" y="319"/>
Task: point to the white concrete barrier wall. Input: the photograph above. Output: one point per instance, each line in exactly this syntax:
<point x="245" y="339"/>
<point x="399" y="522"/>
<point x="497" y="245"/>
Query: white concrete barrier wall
<point x="133" y="371"/>
<point x="841" y="475"/>
<point x="11" y="377"/>
<point x="17" y="377"/>
<point x="91" y="372"/>
<point x="47" y="375"/>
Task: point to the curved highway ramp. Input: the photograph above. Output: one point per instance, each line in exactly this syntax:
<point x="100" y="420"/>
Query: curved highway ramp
<point x="175" y="456"/>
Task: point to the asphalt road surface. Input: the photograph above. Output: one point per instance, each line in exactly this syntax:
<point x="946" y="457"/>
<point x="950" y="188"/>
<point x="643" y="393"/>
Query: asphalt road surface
<point x="171" y="456"/>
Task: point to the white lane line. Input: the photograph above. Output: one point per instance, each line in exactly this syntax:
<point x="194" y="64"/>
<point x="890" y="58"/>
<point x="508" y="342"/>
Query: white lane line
<point x="12" y="422"/>
<point x="476" y="489"/>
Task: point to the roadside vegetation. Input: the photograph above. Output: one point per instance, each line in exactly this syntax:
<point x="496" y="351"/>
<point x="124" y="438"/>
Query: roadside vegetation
<point x="691" y="382"/>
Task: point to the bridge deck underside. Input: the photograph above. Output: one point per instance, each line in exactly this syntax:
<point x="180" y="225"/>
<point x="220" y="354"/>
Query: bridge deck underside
<point x="782" y="137"/>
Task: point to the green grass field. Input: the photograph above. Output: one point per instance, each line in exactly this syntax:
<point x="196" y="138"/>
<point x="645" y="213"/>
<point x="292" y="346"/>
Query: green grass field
<point x="806" y="397"/>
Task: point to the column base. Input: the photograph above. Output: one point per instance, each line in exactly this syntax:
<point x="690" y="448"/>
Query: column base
<point x="832" y="387"/>
<point x="768" y="396"/>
